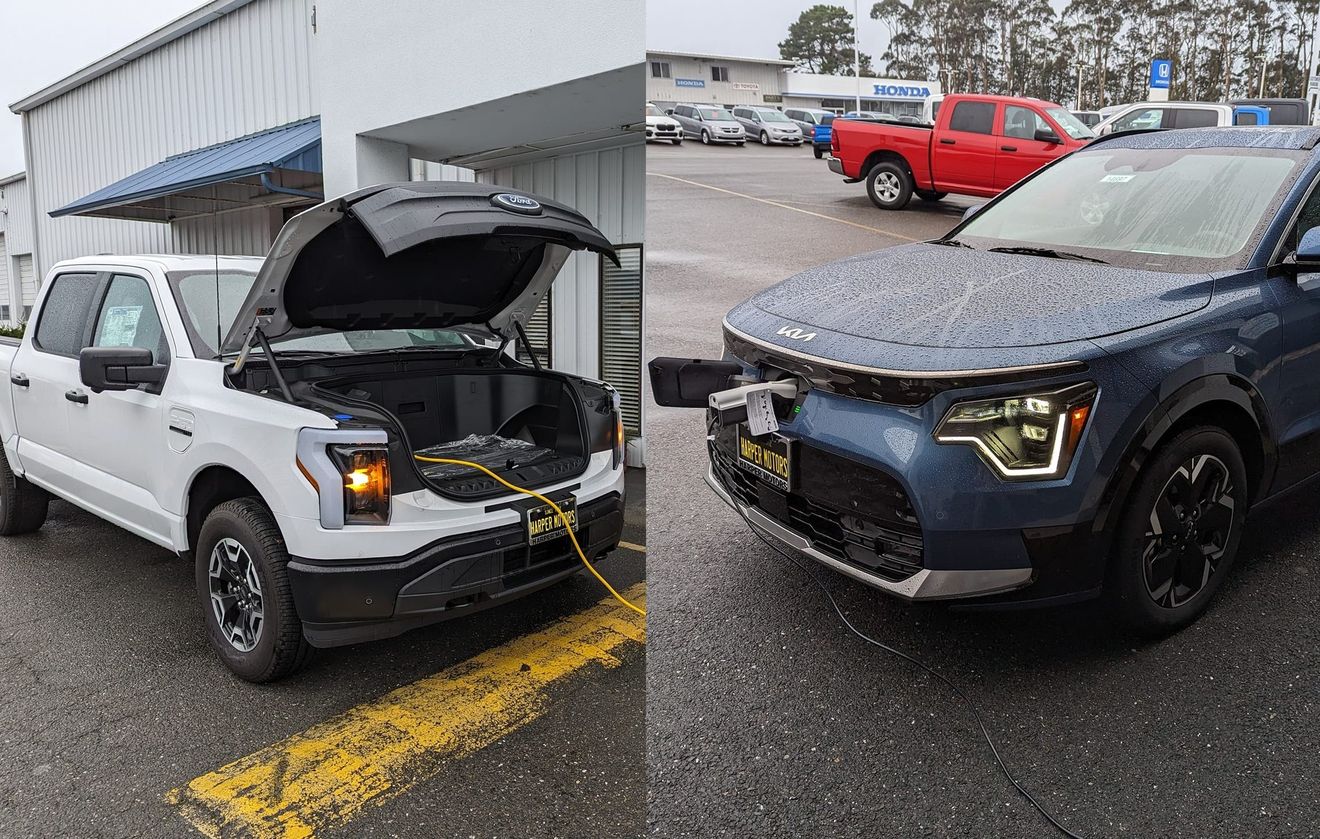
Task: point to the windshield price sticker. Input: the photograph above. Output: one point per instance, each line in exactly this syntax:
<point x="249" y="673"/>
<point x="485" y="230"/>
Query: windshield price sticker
<point x="761" y="417"/>
<point x="1116" y="179"/>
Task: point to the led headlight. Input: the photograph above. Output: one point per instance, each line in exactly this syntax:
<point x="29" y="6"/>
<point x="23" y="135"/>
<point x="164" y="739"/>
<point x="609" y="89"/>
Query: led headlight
<point x="1029" y="437"/>
<point x="366" y="472"/>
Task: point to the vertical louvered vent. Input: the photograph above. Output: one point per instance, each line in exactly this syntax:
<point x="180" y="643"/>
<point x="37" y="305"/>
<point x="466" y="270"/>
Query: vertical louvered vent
<point x="538" y="333"/>
<point x="621" y="331"/>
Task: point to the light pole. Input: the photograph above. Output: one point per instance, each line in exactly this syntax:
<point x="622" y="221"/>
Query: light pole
<point x="857" y="58"/>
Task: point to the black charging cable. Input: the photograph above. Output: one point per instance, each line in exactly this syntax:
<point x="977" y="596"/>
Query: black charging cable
<point x="976" y="712"/>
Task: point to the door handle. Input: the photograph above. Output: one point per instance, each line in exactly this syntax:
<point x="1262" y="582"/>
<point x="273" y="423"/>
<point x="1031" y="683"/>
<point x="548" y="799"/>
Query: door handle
<point x="1008" y="148"/>
<point x="18" y="380"/>
<point x="78" y="396"/>
<point x="946" y="141"/>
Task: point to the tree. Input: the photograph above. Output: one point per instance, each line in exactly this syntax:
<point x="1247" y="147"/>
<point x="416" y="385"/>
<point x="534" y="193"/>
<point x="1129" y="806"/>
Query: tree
<point x="822" y="41"/>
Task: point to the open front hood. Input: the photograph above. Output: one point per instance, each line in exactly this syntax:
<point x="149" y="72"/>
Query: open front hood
<point x="421" y="255"/>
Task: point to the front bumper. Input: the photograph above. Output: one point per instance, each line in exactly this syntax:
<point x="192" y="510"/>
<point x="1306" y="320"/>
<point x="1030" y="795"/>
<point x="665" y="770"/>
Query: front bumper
<point x="925" y="584"/>
<point x="343" y="602"/>
<point x="786" y="139"/>
<point x="660" y="133"/>
<point x="720" y="137"/>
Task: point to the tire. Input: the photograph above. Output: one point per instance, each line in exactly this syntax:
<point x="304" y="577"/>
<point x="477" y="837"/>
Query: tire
<point x="765" y="139"/>
<point x="244" y="532"/>
<point x="1199" y="464"/>
<point x="678" y="141"/>
<point x="705" y="137"/>
<point x="889" y="186"/>
<point x="932" y="197"/>
<point x="739" y="144"/>
<point x="23" y="506"/>
<point x="816" y="151"/>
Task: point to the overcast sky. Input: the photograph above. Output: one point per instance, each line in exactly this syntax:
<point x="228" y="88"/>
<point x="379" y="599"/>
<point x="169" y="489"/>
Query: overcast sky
<point x="46" y="40"/>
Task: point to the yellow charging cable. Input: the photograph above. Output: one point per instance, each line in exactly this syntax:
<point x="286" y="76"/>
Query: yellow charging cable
<point x="568" y="526"/>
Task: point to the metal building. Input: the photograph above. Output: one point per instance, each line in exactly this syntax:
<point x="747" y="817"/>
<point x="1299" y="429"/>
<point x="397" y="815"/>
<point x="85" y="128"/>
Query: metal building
<point x="18" y="286"/>
<point x="207" y="134"/>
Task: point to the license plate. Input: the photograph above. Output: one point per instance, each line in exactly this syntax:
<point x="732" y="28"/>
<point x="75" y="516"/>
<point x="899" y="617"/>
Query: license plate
<point x="544" y="524"/>
<point x="769" y="457"/>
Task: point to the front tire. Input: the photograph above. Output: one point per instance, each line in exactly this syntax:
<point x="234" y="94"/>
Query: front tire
<point x="705" y="137"/>
<point x="1180" y="532"/>
<point x="889" y="186"/>
<point x="765" y="139"/>
<point x="678" y="141"/>
<point x="23" y="505"/>
<point x="243" y="585"/>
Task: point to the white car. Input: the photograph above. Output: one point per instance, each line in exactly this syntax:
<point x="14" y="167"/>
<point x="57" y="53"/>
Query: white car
<point x="262" y="417"/>
<point x="661" y="127"/>
<point x="1165" y="115"/>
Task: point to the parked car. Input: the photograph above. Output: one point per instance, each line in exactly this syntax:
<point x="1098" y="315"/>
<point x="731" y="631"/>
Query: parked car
<point x="980" y="145"/>
<point x="1250" y="115"/>
<point x="1164" y="115"/>
<point x="930" y="108"/>
<point x="662" y="127"/>
<point x="873" y="116"/>
<point x="815" y="124"/>
<point x="709" y="124"/>
<point x="768" y="125"/>
<point x="1281" y="111"/>
<point x="1088" y="118"/>
<point x="1079" y="391"/>
<point x="275" y="447"/>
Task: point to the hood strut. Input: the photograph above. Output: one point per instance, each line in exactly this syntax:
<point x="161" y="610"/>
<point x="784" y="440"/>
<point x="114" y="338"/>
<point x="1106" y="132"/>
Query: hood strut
<point x="527" y="344"/>
<point x="254" y="331"/>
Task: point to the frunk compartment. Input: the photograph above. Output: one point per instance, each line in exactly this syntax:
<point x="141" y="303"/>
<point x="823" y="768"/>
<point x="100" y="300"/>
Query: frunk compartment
<point x="526" y="426"/>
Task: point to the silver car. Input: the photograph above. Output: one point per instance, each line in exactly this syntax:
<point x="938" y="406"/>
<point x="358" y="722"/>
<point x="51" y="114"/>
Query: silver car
<point x="709" y="124"/>
<point x="768" y="125"/>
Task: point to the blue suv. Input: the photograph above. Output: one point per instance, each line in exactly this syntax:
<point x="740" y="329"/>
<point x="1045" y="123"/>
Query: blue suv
<point x="1080" y="390"/>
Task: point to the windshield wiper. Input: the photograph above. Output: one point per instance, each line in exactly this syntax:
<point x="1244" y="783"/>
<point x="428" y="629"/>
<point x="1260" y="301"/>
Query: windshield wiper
<point x="1048" y="252"/>
<point x="954" y="243"/>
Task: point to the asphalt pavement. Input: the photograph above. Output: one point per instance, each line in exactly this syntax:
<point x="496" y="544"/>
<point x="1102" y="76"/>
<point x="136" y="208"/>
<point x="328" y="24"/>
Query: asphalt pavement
<point x="766" y="718"/>
<point x="111" y="701"/>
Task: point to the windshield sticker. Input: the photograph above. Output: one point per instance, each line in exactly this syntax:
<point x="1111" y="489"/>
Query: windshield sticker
<point x="1116" y="179"/>
<point x="119" y="326"/>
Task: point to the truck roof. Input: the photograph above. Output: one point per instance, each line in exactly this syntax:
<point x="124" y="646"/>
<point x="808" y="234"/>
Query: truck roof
<point x="168" y="261"/>
<point x="1285" y="137"/>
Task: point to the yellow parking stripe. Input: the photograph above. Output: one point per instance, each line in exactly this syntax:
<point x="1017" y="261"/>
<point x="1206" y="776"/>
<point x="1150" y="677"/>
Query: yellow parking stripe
<point x="633" y="546"/>
<point x="371" y="753"/>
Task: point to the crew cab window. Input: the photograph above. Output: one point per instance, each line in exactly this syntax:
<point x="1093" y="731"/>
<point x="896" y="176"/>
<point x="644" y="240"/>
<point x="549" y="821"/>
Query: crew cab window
<point x="1023" y="122"/>
<point x="973" y="117"/>
<point x="1142" y="118"/>
<point x="66" y="313"/>
<point x="1195" y="118"/>
<point x="128" y="318"/>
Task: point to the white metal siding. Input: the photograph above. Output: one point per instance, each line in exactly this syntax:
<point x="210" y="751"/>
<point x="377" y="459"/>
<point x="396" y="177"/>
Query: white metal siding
<point x="27" y="282"/>
<point x="4" y="282"/>
<point x="245" y="72"/>
<point x="16" y="223"/>
<point x="767" y="77"/>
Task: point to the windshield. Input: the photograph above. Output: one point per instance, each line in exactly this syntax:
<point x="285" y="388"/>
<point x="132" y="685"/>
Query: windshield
<point x="773" y="116"/>
<point x="826" y="119"/>
<point x="210" y="302"/>
<point x="715" y="114"/>
<point x="1157" y="209"/>
<point x="653" y="111"/>
<point x="1074" y="127"/>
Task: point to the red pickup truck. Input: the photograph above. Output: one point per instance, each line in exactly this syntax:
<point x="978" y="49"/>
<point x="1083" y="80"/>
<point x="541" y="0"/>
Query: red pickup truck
<point x="979" y="145"/>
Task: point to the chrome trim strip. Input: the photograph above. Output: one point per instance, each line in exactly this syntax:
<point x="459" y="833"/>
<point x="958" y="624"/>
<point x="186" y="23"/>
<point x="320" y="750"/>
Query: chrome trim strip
<point x="901" y="374"/>
<point x="926" y="584"/>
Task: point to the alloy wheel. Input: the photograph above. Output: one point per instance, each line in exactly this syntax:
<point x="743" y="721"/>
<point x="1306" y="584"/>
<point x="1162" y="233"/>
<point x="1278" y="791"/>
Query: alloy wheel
<point x="236" y="595"/>
<point x="765" y="139"/>
<point x="886" y="186"/>
<point x="1189" y="530"/>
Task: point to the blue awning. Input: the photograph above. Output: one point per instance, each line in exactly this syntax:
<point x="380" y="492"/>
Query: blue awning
<point x="277" y="166"/>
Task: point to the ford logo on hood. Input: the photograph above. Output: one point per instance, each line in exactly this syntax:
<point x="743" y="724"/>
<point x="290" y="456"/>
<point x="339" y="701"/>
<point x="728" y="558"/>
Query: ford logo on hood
<point x="517" y="203"/>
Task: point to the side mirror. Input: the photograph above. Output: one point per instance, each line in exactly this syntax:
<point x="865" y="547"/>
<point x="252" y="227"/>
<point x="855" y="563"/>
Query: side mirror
<point x="1308" y="250"/>
<point x="971" y="211"/>
<point x="118" y="368"/>
<point x="1044" y="135"/>
<point x="669" y="111"/>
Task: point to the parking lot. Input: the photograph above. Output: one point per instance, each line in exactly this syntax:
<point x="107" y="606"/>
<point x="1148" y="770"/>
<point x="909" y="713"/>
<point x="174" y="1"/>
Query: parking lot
<point x="524" y="720"/>
<point x="765" y="717"/>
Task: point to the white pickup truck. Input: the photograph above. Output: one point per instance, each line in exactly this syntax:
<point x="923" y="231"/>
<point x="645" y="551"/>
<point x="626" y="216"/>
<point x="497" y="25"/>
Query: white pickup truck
<point x="261" y="417"/>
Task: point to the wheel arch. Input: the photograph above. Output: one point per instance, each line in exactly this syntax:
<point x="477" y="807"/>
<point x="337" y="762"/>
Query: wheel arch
<point x="879" y="156"/>
<point x="210" y="487"/>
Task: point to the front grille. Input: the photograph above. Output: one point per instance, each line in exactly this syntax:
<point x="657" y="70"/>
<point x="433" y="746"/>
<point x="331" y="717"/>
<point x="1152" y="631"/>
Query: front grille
<point x="850" y="511"/>
<point x="905" y="390"/>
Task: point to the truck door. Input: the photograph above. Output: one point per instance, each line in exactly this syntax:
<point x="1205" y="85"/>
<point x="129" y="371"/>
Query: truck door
<point x="120" y="435"/>
<point x="1020" y="153"/>
<point x="45" y="369"/>
<point x="963" y="155"/>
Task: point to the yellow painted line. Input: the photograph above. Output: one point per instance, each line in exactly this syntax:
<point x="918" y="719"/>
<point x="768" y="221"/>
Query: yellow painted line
<point x="323" y="777"/>
<point x="633" y="546"/>
<point x="782" y="206"/>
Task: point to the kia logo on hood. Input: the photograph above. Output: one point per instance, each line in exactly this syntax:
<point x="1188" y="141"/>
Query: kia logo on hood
<point x="517" y="203"/>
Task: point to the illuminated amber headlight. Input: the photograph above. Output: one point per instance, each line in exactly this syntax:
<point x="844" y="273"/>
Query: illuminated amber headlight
<point x="1029" y="437"/>
<point x="366" y="473"/>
